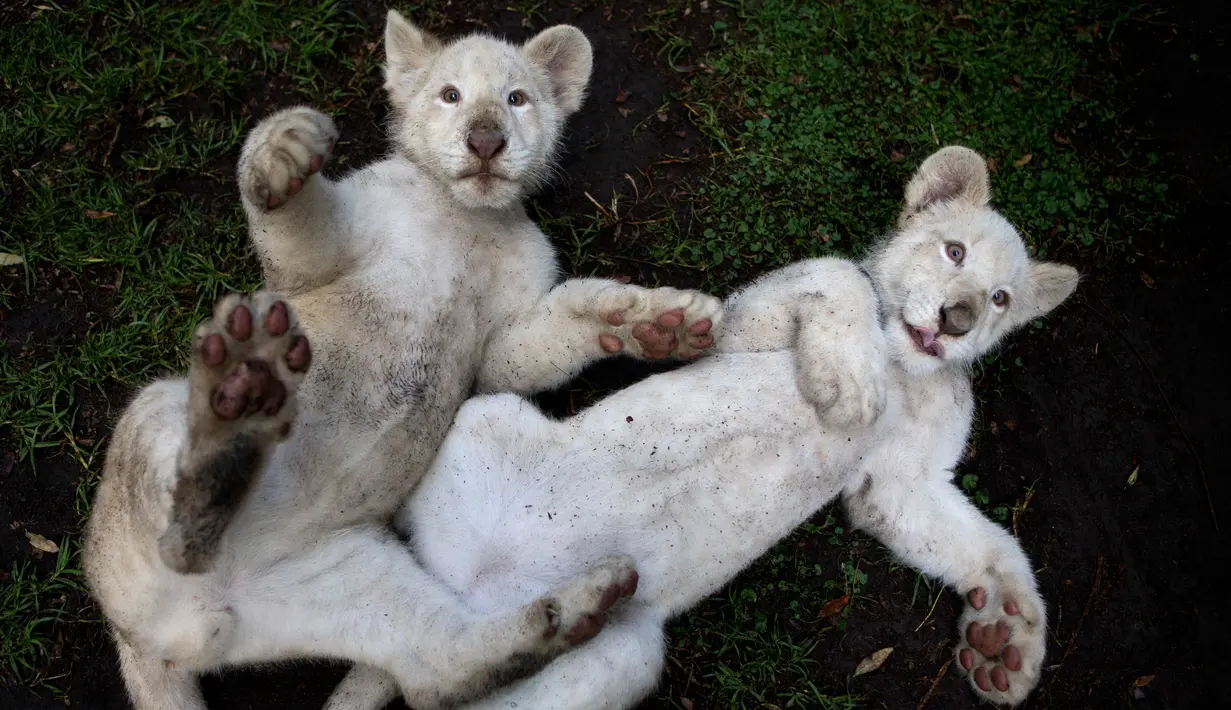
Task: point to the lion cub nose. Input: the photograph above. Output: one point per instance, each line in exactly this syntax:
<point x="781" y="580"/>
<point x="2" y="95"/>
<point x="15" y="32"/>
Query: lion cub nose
<point x="485" y="141"/>
<point x="957" y="319"/>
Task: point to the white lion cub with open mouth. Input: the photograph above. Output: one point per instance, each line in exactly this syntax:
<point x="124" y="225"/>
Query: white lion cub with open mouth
<point x="243" y="512"/>
<point x="832" y="379"/>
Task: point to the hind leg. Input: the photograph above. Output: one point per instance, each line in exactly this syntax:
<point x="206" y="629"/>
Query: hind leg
<point x="616" y="671"/>
<point x="613" y="672"/>
<point x="155" y="684"/>
<point x="359" y="594"/>
<point x="181" y="462"/>
<point x="248" y="362"/>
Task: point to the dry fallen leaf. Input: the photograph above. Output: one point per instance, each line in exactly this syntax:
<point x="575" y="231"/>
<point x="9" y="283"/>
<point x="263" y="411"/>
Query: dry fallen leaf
<point x="1144" y="680"/>
<point x="991" y="165"/>
<point x="623" y="96"/>
<point x="835" y="606"/>
<point x="41" y="543"/>
<point x="873" y="662"/>
<point x="1132" y="478"/>
<point x="280" y="45"/>
<point x="10" y="259"/>
<point x="1024" y="160"/>
<point x="160" y="122"/>
<point x="98" y="214"/>
<point x="1145" y="279"/>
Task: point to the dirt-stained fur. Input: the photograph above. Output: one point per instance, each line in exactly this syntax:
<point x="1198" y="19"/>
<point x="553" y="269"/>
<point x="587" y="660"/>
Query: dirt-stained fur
<point x="243" y="512"/>
<point x="831" y="379"/>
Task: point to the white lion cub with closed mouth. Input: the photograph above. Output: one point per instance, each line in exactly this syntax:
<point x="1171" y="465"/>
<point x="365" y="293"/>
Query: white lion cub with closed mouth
<point x="243" y="512"/>
<point x="831" y="379"/>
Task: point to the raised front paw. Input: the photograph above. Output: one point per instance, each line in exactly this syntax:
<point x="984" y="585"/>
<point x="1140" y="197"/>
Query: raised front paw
<point x="282" y="153"/>
<point x="248" y="360"/>
<point x="1004" y="641"/>
<point x="658" y="323"/>
<point x="576" y="611"/>
<point x="848" y="389"/>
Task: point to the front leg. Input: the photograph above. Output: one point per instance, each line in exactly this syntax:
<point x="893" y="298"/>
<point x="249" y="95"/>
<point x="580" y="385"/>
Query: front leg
<point x="293" y="213"/>
<point x="826" y="310"/>
<point x="931" y="526"/>
<point x="841" y="357"/>
<point x="583" y="320"/>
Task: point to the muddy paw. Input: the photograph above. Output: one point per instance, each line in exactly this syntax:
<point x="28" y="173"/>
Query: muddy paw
<point x="659" y="323"/>
<point x="247" y="363"/>
<point x="282" y="153"/>
<point x="1003" y="643"/>
<point x="576" y="611"/>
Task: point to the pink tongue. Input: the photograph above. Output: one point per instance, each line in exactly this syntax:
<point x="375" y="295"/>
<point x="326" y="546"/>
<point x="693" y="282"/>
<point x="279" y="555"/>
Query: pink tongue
<point x="927" y="336"/>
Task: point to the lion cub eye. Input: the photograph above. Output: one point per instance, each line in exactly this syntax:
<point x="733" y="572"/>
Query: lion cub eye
<point x="517" y="98"/>
<point x="1000" y="298"/>
<point x="450" y="95"/>
<point x="956" y="252"/>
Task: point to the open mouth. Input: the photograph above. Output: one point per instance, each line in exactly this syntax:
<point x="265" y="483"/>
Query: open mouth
<point x="925" y="340"/>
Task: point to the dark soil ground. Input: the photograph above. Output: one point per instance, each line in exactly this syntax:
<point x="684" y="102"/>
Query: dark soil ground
<point x="1125" y="378"/>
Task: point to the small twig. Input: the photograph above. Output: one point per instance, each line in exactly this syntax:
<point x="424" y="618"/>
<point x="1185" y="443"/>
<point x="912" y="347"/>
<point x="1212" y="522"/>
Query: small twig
<point x="636" y="190"/>
<point x="935" y="684"/>
<point x="1167" y="401"/>
<point x="1094" y="590"/>
<point x="111" y="146"/>
<point x="925" y="619"/>
<point x="1018" y="511"/>
<point x="600" y="207"/>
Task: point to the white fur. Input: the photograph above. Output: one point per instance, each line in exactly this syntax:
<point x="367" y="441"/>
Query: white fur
<point x="415" y="282"/>
<point x="697" y="472"/>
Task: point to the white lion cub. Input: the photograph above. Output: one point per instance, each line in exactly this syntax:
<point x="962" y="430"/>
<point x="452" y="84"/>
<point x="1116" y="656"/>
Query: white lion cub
<point x="243" y="513"/>
<point x="831" y="379"/>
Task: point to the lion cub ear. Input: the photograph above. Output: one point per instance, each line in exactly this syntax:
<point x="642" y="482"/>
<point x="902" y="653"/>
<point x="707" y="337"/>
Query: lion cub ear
<point x="1052" y="283"/>
<point x="564" y="53"/>
<point x="407" y="48"/>
<point x="953" y="173"/>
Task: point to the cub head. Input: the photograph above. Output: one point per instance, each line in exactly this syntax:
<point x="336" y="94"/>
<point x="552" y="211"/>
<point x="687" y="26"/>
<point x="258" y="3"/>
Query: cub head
<point x="480" y="115"/>
<point x="955" y="277"/>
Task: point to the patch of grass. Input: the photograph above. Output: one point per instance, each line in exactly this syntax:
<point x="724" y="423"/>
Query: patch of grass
<point x="758" y="644"/>
<point x="820" y="112"/>
<point x="30" y="607"/>
<point x="120" y="125"/>
<point x="134" y="213"/>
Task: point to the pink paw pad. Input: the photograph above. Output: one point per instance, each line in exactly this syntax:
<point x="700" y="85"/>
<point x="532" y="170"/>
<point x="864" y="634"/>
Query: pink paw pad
<point x="299" y="355"/>
<point x="991" y="641"/>
<point x="610" y="343"/>
<point x="252" y="387"/>
<point x="239" y="323"/>
<point x="586" y="628"/>
<point x="213" y="350"/>
<point x="701" y="327"/>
